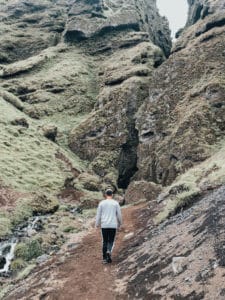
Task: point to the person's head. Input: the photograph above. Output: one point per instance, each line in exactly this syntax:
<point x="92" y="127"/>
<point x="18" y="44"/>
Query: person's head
<point x="108" y="193"/>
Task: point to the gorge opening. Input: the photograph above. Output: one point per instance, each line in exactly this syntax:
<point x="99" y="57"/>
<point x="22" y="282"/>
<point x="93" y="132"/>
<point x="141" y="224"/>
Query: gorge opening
<point x="176" y="12"/>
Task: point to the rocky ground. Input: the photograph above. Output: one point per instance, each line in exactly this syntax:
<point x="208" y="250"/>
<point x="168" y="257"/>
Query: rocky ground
<point x="183" y="258"/>
<point x="76" y="272"/>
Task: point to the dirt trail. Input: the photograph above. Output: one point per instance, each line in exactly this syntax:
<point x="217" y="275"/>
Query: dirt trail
<point x="82" y="276"/>
<point x="87" y="278"/>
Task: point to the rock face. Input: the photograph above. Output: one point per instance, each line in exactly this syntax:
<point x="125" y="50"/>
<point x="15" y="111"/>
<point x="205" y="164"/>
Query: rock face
<point x="27" y="27"/>
<point x="167" y="263"/>
<point x="83" y="68"/>
<point x="142" y="190"/>
<point x="184" y="114"/>
<point x="200" y="9"/>
<point x="124" y="42"/>
<point x="92" y="19"/>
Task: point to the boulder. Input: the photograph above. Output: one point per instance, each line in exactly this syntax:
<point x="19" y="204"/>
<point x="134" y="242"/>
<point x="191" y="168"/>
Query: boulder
<point x="142" y="190"/>
<point x="20" y="122"/>
<point x="179" y="264"/>
<point x="89" y="182"/>
<point x="42" y="204"/>
<point x="50" y="131"/>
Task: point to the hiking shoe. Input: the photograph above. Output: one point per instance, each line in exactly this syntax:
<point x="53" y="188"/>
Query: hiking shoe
<point x="108" y="258"/>
<point x="104" y="261"/>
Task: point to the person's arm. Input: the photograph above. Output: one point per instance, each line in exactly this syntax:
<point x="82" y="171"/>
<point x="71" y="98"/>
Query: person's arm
<point x="98" y="216"/>
<point x="119" y="215"/>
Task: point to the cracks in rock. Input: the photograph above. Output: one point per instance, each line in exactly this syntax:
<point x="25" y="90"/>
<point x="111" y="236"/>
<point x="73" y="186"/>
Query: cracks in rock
<point x="210" y="25"/>
<point x="128" y="158"/>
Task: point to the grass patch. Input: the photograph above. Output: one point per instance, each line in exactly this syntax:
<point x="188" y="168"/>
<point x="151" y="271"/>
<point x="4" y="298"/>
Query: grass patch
<point x="24" y="273"/>
<point x="205" y="176"/>
<point x="29" y="250"/>
<point x="5" y="226"/>
<point x="28" y="160"/>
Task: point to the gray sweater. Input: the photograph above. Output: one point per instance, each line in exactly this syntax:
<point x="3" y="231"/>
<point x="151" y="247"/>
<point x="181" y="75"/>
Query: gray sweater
<point x="108" y="214"/>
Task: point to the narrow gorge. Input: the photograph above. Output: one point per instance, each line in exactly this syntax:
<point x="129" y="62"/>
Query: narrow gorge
<point x="94" y="94"/>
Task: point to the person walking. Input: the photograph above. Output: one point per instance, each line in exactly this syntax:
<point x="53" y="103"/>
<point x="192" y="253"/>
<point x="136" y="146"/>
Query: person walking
<point x="109" y="218"/>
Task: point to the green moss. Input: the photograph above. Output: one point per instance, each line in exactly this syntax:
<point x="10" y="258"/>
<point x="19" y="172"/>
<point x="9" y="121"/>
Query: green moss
<point x="25" y="272"/>
<point x="17" y="265"/>
<point x="5" y="226"/>
<point x="70" y="229"/>
<point x="90" y="199"/>
<point x="105" y="162"/>
<point x="208" y="174"/>
<point x="29" y="250"/>
<point x="4" y="290"/>
<point x="63" y="208"/>
<point x="21" y="212"/>
<point x="42" y="204"/>
<point x="28" y="161"/>
<point x="88" y="182"/>
<point x="21" y="251"/>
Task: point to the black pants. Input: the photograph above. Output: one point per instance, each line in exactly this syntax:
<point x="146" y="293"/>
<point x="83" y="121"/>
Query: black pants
<point x="108" y="236"/>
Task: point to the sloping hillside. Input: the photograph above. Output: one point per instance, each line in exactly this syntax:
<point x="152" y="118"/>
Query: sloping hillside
<point x="92" y="95"/>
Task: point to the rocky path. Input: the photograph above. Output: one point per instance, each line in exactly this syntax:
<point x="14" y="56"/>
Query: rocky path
<point x="79" y="274"/>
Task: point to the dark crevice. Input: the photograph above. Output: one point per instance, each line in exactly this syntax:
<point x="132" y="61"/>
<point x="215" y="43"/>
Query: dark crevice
<point x="197" y="14"/>
<point x="128" y="159"/>
<point x="78" y="36"/>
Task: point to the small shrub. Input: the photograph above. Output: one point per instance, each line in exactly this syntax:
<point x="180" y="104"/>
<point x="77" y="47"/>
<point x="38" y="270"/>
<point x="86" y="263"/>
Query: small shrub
<point x="17" y="265"/>
<point x="29" y="250"/>
<point x="69" y="229"/>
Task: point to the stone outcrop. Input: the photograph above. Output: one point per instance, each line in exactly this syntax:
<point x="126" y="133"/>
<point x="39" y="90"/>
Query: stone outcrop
<point x="27" y="27"/>
<point x="142" y="191"/>
<point x="183" y="117"/>
<point x="126" y="45"/>
<point x="60" y="92"/>
<point x="183" y="258"/>
<point x="91" y="19"/>
<point x="200" y="9"/>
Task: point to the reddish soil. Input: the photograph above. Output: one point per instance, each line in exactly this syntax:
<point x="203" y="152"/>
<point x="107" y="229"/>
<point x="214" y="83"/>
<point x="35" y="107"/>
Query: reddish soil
<point x="82" y="276"/>
<point x="87" y="277"/>
<point x="8" y="198"/>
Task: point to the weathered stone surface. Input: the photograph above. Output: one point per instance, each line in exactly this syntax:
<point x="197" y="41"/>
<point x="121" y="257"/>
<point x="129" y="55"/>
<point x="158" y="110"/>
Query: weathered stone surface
<point x="184" y="114"/>
<point x="125" y="76"/>
<point x="20" y="122"/>
<point x="200" y="9"/>
<point x="142" y="190"/>
<point x="176" y="259"/>
<point x="29" y="27"/>
<point x="88" y="20"/>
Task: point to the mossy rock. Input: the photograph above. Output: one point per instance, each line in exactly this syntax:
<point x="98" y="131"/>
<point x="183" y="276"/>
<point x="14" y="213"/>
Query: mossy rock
<point x="89" y="182"/>
<point x="29" y="250"/>
<point x="90" y="199"/>
<point x="104" y="162"/>
<point x="64" y="207"/>
<point x="22" y="211"/>
<point x="21" y="251"/>
<point x="41" y="204"/>
<point x="17" y="265"/>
